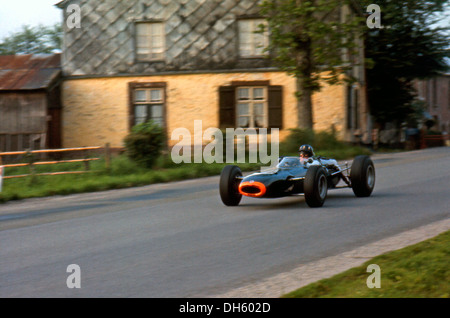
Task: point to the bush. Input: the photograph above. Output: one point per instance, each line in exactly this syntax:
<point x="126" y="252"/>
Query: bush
<point x="327" y="140"/>
<point x="295" y="139"/>
<point x="325" y="143"/>
<point x="144" y="144"/>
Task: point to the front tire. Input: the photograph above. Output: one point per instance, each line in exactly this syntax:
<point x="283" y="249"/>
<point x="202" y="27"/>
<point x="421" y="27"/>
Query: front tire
<point x="315" y="186"/>
<point x="229" y="184"/>
<point x="362" y="176"/>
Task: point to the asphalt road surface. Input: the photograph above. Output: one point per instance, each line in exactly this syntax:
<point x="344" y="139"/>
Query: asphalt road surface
<point x="179" y="240"/>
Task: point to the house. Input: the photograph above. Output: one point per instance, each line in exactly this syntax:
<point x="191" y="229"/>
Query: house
<point x="176" y="61"/>
<point x="435" y="93"/>
<point x="30" y="104"/>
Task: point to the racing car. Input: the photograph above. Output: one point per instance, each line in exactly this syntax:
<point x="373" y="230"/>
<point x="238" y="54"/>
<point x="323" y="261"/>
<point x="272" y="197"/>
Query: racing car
<point x="312" y="178"/>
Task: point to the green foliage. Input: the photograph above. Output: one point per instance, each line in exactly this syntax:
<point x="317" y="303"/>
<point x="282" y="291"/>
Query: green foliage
<point x="295" y="139"/>
<point x="415" y="113"/>
<point x="307" y="37"/>
<point x="325" y="143"/>
<point x="123" y="165"/>
<point x="33" y="40"/>
<point x="144" y="144"/>
<point x="307" y="40"/>
<point x="407" y="47"/>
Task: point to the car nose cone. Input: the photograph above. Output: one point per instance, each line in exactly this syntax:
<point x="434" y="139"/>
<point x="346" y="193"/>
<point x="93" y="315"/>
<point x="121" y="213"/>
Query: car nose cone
<point x="252" y="189"/>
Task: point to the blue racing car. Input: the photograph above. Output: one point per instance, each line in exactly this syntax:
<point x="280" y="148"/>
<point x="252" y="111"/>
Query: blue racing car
<point x="292" y="176"/>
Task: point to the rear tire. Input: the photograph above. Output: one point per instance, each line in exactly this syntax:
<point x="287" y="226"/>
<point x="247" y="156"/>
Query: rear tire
<point x="229" y="192"/>
<point x="362" y="176"/>
<point x="315" y="186"/>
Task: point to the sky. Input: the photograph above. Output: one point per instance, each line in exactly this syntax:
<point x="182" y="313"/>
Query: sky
<point x="15" y="13"/>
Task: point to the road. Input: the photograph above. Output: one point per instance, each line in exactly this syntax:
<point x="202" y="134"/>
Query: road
<point x="178" y="240"/>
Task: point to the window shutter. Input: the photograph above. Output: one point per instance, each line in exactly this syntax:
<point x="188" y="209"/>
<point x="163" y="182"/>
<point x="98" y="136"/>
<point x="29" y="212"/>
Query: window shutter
<point x="276" y="106"/>
<point x="227" y="105"/>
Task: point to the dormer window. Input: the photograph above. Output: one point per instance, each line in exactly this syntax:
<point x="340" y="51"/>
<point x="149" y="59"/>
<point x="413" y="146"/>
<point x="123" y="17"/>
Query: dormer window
<point x="150" y="44"/>
<point x="251" y="42"/>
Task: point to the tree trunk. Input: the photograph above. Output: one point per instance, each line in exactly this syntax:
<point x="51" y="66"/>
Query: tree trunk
<point x="304" y="104"/>
<point x="304" y="84"/>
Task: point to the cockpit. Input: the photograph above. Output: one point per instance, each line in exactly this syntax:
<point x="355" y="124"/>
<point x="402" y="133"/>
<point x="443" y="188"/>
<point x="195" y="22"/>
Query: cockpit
<point x="289" y="162"/>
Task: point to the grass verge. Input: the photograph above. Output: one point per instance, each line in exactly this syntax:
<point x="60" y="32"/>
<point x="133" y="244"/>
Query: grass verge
<point x="417" y="271"/>
<point x="123" y="174"/>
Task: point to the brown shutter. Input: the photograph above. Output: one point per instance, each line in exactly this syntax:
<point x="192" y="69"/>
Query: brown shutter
<point x="227" y="106"/>
<point x="276" y="106"/>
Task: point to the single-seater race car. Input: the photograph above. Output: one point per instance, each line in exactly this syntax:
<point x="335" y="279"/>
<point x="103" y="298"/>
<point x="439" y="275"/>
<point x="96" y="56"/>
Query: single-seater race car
<point x="313" y="178"/>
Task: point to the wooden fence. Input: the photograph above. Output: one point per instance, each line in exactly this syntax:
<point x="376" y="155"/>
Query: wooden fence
<point x="32" y="163"/>
<point x="434" y="141"/>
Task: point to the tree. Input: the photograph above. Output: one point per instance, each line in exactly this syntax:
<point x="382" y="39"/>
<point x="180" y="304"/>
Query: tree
<point x="312" y="41"/>
<point x="33" y="40"/>
<point x="406" y="47"/>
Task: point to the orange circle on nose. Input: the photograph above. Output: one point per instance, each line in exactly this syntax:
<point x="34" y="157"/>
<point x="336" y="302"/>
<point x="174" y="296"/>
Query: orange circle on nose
<point x="252" y="184"/>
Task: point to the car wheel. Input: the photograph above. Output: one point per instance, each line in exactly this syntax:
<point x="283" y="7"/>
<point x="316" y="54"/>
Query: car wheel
<point x="229" y="192"/>
<point x="362" y="176"/>
<point x="315" y="186"/>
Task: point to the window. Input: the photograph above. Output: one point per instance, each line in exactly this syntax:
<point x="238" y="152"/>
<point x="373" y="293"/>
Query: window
<point x="435" y="84"/>
<point x="251" y="111"/>
<point x="251" y="43"/>
<point x="254" y="104"/>
<point x="147" y="103"/>
<point x="352" y="107"/>
<point x="150" y="41"/>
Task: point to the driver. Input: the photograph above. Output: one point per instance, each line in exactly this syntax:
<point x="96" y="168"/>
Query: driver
<point x="307" y="157"/>
<point x="306" y="152"/>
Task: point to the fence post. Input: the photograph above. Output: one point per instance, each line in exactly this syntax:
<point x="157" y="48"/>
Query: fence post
<point x="107" y="156"/>
<point x="2" y="169"/>
<point x="30" y="160"/>
<point x="86" y="162"/>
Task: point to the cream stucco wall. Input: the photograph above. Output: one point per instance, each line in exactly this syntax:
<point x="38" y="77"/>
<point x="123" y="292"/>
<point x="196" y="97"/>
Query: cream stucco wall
<point x="96" y="110"/>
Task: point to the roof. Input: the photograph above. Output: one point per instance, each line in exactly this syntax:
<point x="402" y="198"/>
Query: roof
<point x="61" y="4"/>
<point x="29" y="72"/>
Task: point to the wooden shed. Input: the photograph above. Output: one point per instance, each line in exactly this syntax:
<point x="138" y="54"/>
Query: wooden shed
<point x="30" y="102"/>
